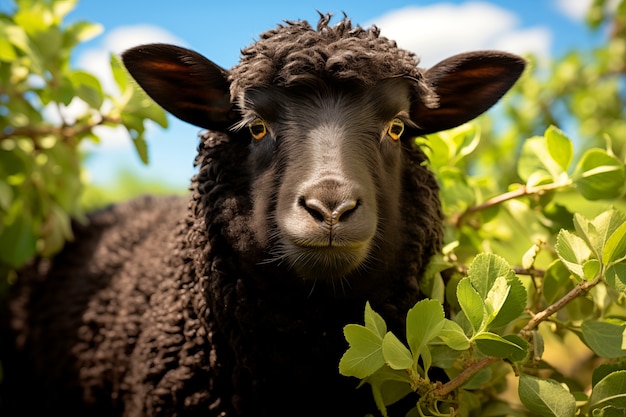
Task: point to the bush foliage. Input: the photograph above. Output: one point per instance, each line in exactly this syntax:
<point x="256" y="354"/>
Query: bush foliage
<point x="47" y="110"/>
<point x="534" y="267"/>
<point x="533" y="273"/>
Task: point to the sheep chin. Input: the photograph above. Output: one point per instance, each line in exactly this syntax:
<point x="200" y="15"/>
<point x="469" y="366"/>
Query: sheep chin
<point x="326" y="263"/>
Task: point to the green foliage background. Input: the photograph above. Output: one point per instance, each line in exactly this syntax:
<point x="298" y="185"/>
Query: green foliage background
<point x="534" y="267"/>
<point x="42" y="181"/>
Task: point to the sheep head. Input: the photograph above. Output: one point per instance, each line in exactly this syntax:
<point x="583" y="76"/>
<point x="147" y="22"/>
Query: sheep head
<point x="330" y="116"/>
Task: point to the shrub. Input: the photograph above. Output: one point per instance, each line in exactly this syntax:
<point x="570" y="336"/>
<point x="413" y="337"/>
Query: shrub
<point x="47" y="110"/>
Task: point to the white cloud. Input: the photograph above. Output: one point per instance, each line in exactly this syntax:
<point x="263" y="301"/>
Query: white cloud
<point x="535" y="40"/>
<point x="96" y="62"/>
<point x="574" y="9"/>
<point x="439" y="31"/>
<point x="577" y="9"/>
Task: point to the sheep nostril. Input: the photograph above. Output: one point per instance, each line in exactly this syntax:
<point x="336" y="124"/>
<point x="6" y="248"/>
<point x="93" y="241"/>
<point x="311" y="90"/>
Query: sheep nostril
<point x="330" y="213"/>
<point x="344" y="210"/>
<point x="315" y="208"/>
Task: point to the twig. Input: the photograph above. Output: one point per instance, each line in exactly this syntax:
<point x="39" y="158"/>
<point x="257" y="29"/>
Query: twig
<point x="461" y="378"/>
<point x="462" y="269"/>
<point x="523" y="191"/>
<point x="577" y="291"/>
<point x="65" y="131"/>
<point x="473" y="368"/>
<point x="530" y="272"/>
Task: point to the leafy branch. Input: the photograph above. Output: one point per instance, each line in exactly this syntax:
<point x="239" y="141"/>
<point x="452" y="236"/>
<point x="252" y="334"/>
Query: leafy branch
<point x="469" y="371"/>
<point x="492" y="323"/>
<point x="472" y="368"/>
<point x="41" y="178"/>
<point x="579" y="290"/>
<point x="66" y="131"/>
<point x="523" y="191"/>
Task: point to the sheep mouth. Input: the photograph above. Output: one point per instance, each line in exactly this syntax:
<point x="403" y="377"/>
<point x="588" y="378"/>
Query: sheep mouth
<point x="324" y="261"/>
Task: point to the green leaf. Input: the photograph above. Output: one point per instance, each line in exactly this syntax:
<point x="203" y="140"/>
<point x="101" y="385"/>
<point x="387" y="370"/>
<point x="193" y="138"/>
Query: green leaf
<point x="65" y="91"/>
<point x="48" y="44"/>
<point x="6" y="197"/>
<point x="374" y="321"/>
<point x="466" y="138"/>
<point x="556" y="281"/>
<point x="615" y="247"/>
<point x="546" y="397"/>
<point x="499" y="408"/>
<point x="442" y="356"/>
<point x="388" y="387"/>
<point x="456" y="194"/>
<point x="34" y="19"/>
<point x="603" y="370"/>
<point x="616" y="276"/>
<point x="492" y="344"/>
<point x="496" y="297"/>
<point x="472" y="304"/>
<point x="597" y="231"/>
<point x="18" y="238"/>
<point x="591" y="269"/>
<point x="573" y="252"/>
<point x="80" y="32"/>
<point x="141" y="146"/>
<point x="438" y="150"/>
<point x="529" y="257"/>
<point x="453" y="336"/>
<point x="538" y="344"/>
<point x="364" y="356"/>
<point x="423" y="323"/>
<point x="536" y="165"/>
<point x="521" y="354"/>
<point x="432" y="283"/>
<point x="599" y="175"/>
<point x="609" y="392"/>
<point x="121" y="76"/>
<point x="7" y="52"/>
<point x="470" y="401"/>
<point x="485" y="269"/>
<point x="559" y="146"/>
<point x="479" y="379"/>
<point x="17" y="37"/>
<point x="58" y="231"/>
<point x="396" y="355"/>
<point x="485" y="274"/>
<point x="143" y="107"/>
<point x="604" y="338"/>
<point x="88" y="88"/>
<point x="60" y="8"/>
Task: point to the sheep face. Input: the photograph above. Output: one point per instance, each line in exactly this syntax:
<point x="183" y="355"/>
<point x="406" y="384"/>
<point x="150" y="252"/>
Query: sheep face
<point x="330" y="123"/>
<point x="327" y="162"/>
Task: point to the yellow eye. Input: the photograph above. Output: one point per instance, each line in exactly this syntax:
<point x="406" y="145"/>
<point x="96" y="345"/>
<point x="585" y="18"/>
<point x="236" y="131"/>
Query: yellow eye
<point x="396" y="128"/>
<point x="258" y="130"/>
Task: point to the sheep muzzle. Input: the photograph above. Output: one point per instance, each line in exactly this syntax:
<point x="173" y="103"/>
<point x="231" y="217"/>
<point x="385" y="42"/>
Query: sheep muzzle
<point x="328" y="228"/>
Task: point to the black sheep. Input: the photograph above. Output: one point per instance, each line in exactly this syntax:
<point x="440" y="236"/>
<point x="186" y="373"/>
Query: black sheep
<point x="311" y="198"/>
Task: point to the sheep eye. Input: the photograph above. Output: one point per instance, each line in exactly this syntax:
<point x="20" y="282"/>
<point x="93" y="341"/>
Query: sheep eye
<point x="396" y="128"/>
<point x="258" y="129"/>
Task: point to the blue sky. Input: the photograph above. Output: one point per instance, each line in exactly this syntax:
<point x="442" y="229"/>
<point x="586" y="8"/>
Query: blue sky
<point x="219" y="30"/>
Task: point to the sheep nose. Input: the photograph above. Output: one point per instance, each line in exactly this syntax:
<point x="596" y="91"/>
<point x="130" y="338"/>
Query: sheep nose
<point x="329" y="211"/>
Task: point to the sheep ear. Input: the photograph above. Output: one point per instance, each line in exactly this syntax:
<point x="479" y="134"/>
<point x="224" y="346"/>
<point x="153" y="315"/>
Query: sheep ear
<point x="184" y="83"/>
<point x="466" y="85"/>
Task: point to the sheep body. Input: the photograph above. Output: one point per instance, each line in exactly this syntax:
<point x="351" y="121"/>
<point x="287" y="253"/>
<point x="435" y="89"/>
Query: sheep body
<point x="232" y="303"/>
